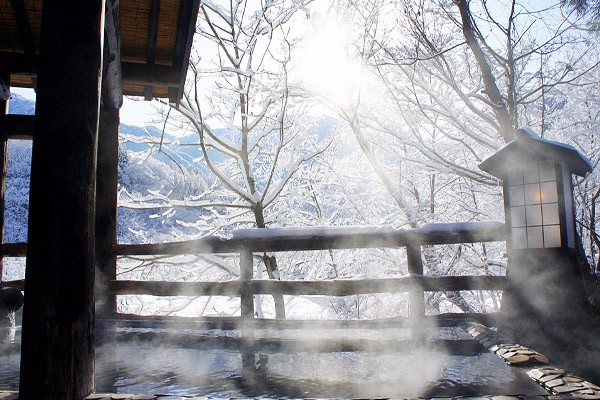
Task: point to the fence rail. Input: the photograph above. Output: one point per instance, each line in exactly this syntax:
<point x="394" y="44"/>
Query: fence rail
<point x="249" y="241"/>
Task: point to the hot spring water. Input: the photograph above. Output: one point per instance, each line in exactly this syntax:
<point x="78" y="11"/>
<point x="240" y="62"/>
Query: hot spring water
<point x="133" y="363"/>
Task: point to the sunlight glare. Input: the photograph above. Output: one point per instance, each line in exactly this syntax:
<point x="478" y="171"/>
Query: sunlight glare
<point x="327" y="67"/>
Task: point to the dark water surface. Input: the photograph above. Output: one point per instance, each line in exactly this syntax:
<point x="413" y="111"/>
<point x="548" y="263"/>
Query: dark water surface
<point x="194" y="367"/>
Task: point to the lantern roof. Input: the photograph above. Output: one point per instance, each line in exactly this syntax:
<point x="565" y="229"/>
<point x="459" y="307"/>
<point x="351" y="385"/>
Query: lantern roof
<point x="528" y="147"/>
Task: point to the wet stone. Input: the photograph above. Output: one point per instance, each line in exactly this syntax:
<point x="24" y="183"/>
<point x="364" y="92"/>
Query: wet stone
<point x="518" y="359"/>
<point x="555" y="382"/>
<point x="541" y="358"/>
<point x="565" y="389"/>
<point x="573" y="379"/>
<point x="535" y="374"/>
<point x="589" y="396"/>
<point x="590" y="385"/>
<point x="556" y="371"/>
<point x="98" y="396"/>
<point x="548" y="378"/>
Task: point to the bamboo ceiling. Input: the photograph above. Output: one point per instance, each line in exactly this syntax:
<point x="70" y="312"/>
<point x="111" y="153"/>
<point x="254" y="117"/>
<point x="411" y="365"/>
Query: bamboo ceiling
<point x="156" y="37"/>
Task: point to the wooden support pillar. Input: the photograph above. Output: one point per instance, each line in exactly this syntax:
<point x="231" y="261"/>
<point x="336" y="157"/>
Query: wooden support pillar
<point x="106" y="209"/>
<point x="416" y="310"/>
<point x="57" y="350"/>
<point x="107" y="177"/>
<point x="3" y="164"/>
<point x="246" y="296"/>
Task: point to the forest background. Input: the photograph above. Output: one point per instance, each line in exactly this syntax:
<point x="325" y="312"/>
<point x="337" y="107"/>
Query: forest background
<point x="303" y="113"/>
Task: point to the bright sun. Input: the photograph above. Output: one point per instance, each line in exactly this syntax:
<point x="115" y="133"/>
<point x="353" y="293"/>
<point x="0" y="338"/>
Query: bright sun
<point x="327" y="67"/>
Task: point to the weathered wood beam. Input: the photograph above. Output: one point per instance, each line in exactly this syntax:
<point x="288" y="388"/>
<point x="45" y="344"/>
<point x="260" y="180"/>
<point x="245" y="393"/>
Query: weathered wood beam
<point x="281" y="345"/>
<point x="106" y="207"/>
<point x="57" y="351"/>
<point x="18" y="284"/>
<point x="5" y="76"/>
<point x="132" y="73"/>
<point x="151" y="41"/>
<point x="13" y="126"/>
<point x="324" y="238"/>
<point x="112" y="87"/>
<point x="158" y="75"/>
<point x="183" y="44"/>
<point x="326" y="288"/>
<point x="13" y="249"/>
<point x="416" y="304"/>
<point x="23" y="26"/>
<point x="19" y="62"/>
<point x="230" y="323"/>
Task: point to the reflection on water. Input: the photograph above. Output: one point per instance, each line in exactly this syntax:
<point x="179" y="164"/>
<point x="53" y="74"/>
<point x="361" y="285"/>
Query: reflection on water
<point x="143" y="366"/>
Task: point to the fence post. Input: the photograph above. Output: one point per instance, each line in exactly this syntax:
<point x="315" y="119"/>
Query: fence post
<point x="246" y="296"/>
<point x="416" y="309"/>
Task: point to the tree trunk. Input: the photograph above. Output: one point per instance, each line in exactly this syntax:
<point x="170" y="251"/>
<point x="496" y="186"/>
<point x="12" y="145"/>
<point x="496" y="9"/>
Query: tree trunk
<point x="271" y="265"/>
<point x="491" y="88"/>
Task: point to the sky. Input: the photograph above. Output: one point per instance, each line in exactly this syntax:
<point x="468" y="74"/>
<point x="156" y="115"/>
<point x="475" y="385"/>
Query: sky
<point x="134" y="111"/>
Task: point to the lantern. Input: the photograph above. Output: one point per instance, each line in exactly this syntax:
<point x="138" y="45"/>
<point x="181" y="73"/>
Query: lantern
<point x="538" y="194"/>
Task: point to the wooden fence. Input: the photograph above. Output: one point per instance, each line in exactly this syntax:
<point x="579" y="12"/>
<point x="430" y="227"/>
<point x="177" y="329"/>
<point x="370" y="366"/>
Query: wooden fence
<point x="247" y="242"/>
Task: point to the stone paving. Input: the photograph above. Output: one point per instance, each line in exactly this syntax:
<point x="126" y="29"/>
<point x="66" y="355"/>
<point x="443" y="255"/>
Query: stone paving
<point x="555" y="381"/>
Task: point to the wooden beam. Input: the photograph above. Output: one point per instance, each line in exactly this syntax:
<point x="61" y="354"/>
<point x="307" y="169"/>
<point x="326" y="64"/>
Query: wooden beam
<point x="346" y="287"/>
<point x="106" y="207"/>
<point x="57" y="351"/>
<point x="13" y="126"/>
<point x="183" y="43"/>
<point x="13" y="249"/>
<point x="151" y="41"/>
<point x="5" y="76"/>
<point x="132" y="73"/>
<point x="465" y="347"/>
<point x="158" y="75"/>
<point x="231" y="323"/>
<point x="324" y="238"/>
<point x="416" y="305"/>
<point x="23" y="26"/>
<point x="112" y="87"/>
<point x="19" y="62"/>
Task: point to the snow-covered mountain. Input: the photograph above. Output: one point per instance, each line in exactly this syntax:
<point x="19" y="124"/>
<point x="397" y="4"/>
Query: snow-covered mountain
<point x="158" y="174"/>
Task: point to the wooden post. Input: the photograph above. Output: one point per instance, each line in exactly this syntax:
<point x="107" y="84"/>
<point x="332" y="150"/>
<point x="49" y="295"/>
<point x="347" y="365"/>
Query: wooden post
<point x="107" y="177"/>
<point x="247" y="299"/>
<point x="3" y="164"/>
<point x="106" y="209"/>
<point x="416" y="308"/>
<point x="57" y="350"/>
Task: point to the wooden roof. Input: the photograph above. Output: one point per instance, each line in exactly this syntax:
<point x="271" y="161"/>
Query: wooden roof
<point x="156" y="38"/>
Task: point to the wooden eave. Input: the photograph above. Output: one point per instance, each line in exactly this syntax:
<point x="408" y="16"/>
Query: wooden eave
<point x="156" y="39"/>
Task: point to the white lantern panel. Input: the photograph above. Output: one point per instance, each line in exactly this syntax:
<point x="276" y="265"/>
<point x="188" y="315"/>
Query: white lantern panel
<point x="550" y="214"/>
<point x="519" y="238"/>
<point x="515" y="178"/>
<point x="532" y="194"/>
<point x="534" y="215"/>
<point x="517" y="216"/>
<point x="516" y="196"/>
<point x="547" y="171"/>
<point x="552" y="236"/>
<point x="535" y="237"/>
<point x="530" y="174"/>
<point x="549" y="192"/>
